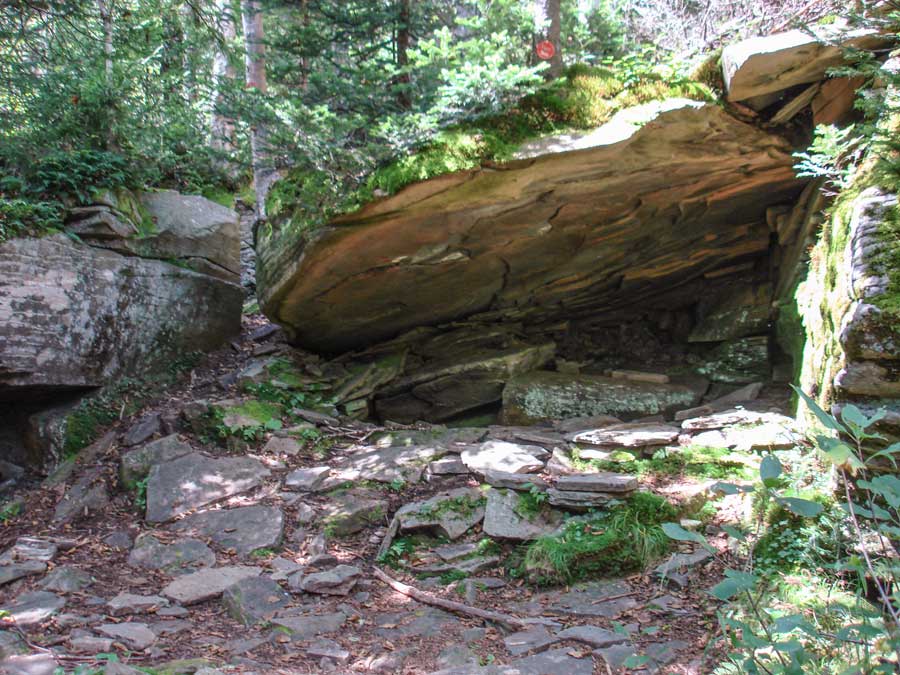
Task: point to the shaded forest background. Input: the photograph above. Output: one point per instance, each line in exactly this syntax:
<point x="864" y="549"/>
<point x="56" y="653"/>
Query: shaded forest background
<point x="194" y="95"/>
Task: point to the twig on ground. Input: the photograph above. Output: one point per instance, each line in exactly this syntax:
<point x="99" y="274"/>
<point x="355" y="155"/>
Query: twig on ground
<point x="511" y="622"/>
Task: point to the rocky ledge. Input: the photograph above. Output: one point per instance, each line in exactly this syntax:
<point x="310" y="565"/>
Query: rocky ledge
<point x="581" y="227"/>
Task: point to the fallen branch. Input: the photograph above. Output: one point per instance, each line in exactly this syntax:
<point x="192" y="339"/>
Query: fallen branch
<point x="507" y="620"/>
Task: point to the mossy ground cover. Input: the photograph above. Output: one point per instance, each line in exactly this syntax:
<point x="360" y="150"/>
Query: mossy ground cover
<point x="87" y="420"/>
<point x="693" y="461"/>
<point x="622" y="539"/>
<point x="584" y="99"/>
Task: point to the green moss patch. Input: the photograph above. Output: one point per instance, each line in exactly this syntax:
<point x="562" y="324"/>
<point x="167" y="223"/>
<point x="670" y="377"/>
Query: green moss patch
<point x="625" y="539"/>
<point x="694" y="461"/>
<point x="584" y="99"/>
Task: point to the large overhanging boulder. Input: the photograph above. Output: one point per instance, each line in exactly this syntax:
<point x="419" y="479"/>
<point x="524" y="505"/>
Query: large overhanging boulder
<point x="561" y="234"/>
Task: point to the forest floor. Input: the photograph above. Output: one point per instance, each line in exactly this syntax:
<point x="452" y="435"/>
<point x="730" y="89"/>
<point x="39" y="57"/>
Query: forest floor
<point x="176" y="544"/>
<point x="315" y="605"/>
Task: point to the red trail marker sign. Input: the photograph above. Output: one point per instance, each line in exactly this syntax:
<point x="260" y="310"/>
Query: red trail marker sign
<point x="545" y="50"/>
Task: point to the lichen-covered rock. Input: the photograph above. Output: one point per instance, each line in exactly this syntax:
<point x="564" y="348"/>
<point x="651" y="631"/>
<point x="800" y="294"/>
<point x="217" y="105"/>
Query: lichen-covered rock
<point x="851" y="313"/>
<point x="76" y="316"/>
<point x="148" y="278"/>
<point x="549" y="238"/>
<point x="503" y="520"/>
<point x="543" y="396"/>
<point x="450" y="513"/>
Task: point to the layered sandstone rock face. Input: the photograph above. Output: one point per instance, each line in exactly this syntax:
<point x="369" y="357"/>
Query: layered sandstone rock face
<point x="558" y="236"/>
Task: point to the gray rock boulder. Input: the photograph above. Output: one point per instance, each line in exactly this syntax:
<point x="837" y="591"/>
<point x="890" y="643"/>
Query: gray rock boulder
<point x="338" y="580"/>
<point x="87" y="496"/>
<point x="206" y="584"/>
<point x="136" y="464"/>
<point x="332" y="287"/>
<point x="93" y="314"/>
<point x="243" y="529"/>
<point x="542" y="396"/>
<point x="194" y="480"/>
<point x="179" y="557"/>
<point x="503" y="520"/>
<point x="254" y="600"/>
<point x="767" y="65"/>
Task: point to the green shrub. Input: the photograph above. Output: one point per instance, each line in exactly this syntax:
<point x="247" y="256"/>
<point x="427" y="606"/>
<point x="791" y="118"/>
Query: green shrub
<point x="24" y="218"/>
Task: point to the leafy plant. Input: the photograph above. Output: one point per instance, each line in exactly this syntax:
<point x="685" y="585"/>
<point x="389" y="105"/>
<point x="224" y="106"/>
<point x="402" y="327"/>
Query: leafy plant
<point x="768" y="628"/>
<point x="140" y="493"/>
<point x="531" y="503"/>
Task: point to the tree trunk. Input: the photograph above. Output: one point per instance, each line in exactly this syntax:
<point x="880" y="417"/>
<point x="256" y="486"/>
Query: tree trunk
<point x="404" y="97"/>
<point x="548" y="25"/>
<point x="255" y="63"/>
<point x="106" y="19"/>
<point x="222" y="127"/>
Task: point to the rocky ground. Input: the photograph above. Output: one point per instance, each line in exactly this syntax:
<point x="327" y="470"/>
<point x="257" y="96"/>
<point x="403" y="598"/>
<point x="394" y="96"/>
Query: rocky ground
<point x="193" y="531"/>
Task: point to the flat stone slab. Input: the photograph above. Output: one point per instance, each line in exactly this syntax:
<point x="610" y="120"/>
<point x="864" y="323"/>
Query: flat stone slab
<point x="14" y="571"/>
<point x="31" y="609"/>
<point x="597" y="482"/>
<point x="66" y="579"/>
<point x="592" y="635"/>
<point x="502" y="519"/>
<point x="32" y="549"/>
<point x="136" y="464"/>
<point x="176" y="487"/>
<point x="309" y="625"/>
<point x="137" y="636"/>
<point x="533" y="639"/>
<point x="505" y="457"/>
<point x="308" y="479"/>
<point x="589" y="599"/>
<point x="452" y="513"/>
<point x="448" y="466"/>
<point x="180" y="557"/>
<point x="328" y="649"/>
<point x="514" y="481"/>
<point x="573" y="499"/>
<point x="474" y="565"/>
<point x="338" y="580"/>
<point x="244" y="529"/>
<point x="732" y="418"/>
<point x="87" y="496"/>
<point x="353" y="511"/>
<point x="554" y="661"/>
<point x="206" y="584"/>
<point x="386" y="465"/>
<point x="628" y="435"/>
<point x="254" y="600"/>
<point x="31" y="664"/>
<point x="423" y="622"/>
<point x="129" y="603"/>
<point x="282" y="445"/>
